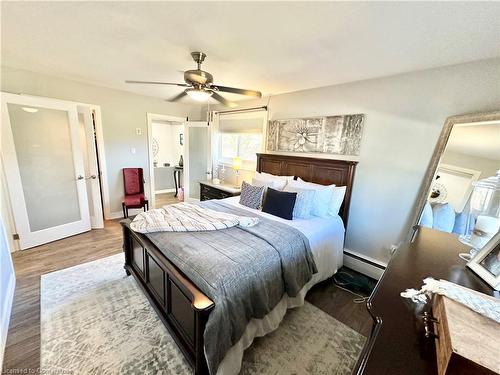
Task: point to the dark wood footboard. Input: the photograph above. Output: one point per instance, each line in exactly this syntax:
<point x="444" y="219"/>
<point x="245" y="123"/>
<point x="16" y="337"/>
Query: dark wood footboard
<point x="182" y="307"/>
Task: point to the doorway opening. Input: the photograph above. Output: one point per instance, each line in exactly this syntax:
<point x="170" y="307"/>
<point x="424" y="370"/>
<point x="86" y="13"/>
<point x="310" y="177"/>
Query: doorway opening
<point x="166" y="159"/>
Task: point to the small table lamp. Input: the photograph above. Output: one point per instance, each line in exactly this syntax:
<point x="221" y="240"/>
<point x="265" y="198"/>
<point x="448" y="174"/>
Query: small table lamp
<point x="237" y="167"/>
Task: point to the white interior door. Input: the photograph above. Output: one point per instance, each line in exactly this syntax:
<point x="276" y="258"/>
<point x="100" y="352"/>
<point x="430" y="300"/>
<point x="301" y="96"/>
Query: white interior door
<point x="197" y="158"/>
<point x="44" y="168"/>
<point x="92" y="177"/>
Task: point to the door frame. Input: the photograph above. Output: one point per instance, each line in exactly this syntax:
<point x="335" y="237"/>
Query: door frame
<point x="96" y="110"/>
<point x="30" y="238"/>
<point x="152" y="117"/>
<point x="195" y="124"/>
<point x="97" y="220"/>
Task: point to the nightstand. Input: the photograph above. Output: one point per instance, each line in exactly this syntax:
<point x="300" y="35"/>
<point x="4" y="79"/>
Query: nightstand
<point x="209" y="190"/>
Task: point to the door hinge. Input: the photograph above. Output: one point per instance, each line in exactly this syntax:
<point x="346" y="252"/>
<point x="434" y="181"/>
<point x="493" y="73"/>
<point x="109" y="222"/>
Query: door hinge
<point x="15" y="236"/>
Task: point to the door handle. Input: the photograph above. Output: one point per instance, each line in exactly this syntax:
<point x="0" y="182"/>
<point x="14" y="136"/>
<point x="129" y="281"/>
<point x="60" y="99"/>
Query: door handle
<point x="92" y="176"/>
<point x="79" y="177"/>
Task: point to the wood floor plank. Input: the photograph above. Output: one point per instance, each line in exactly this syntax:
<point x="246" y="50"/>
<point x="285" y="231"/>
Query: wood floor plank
<point x="164" y="199"/>
<point x="22" y="354"/>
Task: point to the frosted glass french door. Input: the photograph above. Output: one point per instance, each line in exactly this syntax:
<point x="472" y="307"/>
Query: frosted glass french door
<point x="197" y="158"/>
<point x="44" y="167"/>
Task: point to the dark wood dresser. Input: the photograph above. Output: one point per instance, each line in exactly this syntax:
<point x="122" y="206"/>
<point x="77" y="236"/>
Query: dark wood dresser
<point x="209" y="190"/>
<point x="398" y="344"/>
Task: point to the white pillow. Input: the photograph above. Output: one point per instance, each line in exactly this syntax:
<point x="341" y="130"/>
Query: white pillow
<point x="337" y="199"/>
<point x="269" y="180"/>
<point x="269" y="175"/>
<point x="273" y="184"/>
<point x="322" y="197"/>
<point x="313" y="185"/>
<point x="303" y="203"/>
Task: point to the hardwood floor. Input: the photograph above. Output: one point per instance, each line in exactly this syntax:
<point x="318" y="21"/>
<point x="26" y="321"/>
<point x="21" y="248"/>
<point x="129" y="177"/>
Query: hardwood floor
<point x="164" y="199"/>
<point x="22" y="354"/>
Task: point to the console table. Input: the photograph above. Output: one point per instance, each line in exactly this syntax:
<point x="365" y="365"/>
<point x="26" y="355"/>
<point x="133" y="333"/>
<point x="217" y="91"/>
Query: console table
<point x="397" y="344"/>
<point x="177" y="178"/>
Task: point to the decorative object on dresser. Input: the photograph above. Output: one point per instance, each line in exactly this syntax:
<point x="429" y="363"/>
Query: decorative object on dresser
<point x="398" y="342"/>
<point x="466" y="342"/>
<point x="340" y="135"/>
<point x="484" y="216"/>
<point x="180" y="304"/>
<point x="486" y="263"/>
<point x="211" y="190"/>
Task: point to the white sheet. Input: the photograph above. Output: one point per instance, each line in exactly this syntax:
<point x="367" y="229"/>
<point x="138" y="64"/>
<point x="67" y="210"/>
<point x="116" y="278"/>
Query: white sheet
<point x="326" y="237"/>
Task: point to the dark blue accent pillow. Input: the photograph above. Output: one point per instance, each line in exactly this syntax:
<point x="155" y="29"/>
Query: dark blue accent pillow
<point x="279" y="203"/>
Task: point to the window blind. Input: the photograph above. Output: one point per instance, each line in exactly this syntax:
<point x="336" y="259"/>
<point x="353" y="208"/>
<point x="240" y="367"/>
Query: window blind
<point x="245" y="122"/>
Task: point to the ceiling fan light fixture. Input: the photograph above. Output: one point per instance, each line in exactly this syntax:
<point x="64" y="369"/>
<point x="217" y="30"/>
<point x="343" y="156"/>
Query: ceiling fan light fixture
<point x="199" y="95"/>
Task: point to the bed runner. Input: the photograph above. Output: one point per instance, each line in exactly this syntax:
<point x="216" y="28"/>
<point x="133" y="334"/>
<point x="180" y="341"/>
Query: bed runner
<point x="187" y="217"/>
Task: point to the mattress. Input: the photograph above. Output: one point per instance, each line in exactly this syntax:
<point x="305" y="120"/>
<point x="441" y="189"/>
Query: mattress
<point x="326" y="238"/>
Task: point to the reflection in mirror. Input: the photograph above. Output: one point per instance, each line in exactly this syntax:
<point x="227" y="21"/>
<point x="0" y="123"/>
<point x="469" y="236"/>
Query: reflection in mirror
<point x="464" y="194"/>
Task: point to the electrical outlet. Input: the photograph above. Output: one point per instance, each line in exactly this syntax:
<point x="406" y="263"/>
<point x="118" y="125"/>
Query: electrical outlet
<point x="138" y="131"/>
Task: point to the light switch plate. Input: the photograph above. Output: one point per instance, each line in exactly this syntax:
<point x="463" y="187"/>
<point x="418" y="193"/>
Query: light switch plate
<point x="132" y="150"/>
<point x="138" y="131"/>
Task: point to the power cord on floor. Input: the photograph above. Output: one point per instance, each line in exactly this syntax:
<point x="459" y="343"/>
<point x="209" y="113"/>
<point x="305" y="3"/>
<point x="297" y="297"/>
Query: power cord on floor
<point x="338" y="284"/>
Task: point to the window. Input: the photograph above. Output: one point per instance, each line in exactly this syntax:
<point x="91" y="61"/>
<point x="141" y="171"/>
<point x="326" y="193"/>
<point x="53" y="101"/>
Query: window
<point x="241" y="135"/>
<point x="242" y="145"/>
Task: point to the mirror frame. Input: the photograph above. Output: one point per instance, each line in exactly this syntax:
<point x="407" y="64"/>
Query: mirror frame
<point x="436" y="158"/>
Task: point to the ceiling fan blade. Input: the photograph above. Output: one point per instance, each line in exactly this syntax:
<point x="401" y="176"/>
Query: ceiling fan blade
<point x="224" y="100"/>
<point x="177" y="97"/>
<point x="234" y="90"/>
<point x="158" y="83"/>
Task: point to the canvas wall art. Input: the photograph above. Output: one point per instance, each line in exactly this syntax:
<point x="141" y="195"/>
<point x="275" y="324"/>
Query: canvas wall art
<point x="339" y="135"/>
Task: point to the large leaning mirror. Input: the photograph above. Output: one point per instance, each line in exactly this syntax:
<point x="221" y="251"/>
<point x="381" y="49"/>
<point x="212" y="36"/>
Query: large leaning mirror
<point x="461" y="191"/>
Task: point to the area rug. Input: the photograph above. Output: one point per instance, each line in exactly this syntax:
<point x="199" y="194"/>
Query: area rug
<point x="95" y="320"/>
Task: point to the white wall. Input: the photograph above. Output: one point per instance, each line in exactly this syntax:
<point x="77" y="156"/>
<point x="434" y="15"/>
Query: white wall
<point x="177" y="148"/>
<point x="122" y="112"/>
<point x="487" y="167"/>
<point x="162" y="133"/>
<point x="404" y="117"/>
<point x="167" y="136"/>
<point x="7" y="275"/>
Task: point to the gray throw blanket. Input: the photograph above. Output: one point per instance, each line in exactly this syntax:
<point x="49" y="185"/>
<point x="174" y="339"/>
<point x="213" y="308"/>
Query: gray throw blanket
<point x="245" y="271"/>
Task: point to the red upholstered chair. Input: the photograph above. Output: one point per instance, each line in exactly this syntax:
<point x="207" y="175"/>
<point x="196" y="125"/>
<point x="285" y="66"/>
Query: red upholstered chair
<point x="133" y="185"/>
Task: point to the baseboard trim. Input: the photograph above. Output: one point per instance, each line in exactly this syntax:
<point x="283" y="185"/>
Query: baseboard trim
<point x="163" y="191"/>
<point x="363" y="264"/>
<point x="115" y="215"/>
<point x="6" y="312"/>
<point x="119" y="214"/>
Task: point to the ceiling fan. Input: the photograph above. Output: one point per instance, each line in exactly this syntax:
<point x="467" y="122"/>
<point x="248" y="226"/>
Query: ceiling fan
<point x="199" y="85"/>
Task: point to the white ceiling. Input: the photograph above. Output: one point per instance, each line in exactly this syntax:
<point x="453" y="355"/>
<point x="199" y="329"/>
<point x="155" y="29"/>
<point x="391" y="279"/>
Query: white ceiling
<point x="476" y="140"/>
<point x="273" y="47"/>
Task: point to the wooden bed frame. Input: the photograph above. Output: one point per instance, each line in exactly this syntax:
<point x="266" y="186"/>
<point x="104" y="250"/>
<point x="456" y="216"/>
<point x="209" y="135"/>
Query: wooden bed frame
<point x="182" y="307"/>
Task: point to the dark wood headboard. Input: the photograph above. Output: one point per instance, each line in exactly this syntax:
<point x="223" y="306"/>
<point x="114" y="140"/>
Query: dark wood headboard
<point x="320" y="171"/>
